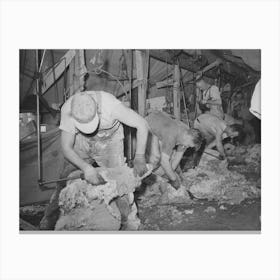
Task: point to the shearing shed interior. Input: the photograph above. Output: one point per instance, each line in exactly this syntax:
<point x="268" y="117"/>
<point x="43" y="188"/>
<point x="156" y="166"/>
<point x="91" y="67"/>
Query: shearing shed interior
<point x="140" y="140"/>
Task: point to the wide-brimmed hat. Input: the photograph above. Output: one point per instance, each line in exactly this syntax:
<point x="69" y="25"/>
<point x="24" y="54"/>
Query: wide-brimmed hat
<point x="84" y="112"/>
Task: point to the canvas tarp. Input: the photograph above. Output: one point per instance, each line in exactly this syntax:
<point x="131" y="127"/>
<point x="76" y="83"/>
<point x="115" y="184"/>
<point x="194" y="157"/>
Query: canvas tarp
<point x="51" y="162"/>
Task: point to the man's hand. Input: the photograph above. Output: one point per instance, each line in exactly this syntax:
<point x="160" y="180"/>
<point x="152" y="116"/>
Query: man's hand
<point x="92" y="176"/>
<point x="140" y="167"/>
<point x="176" y="183"/>
<point x="222" y="157"/>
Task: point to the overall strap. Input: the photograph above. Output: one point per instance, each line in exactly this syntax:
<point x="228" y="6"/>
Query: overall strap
<point x="208" y="90"/>
<point x="98" y="101"/>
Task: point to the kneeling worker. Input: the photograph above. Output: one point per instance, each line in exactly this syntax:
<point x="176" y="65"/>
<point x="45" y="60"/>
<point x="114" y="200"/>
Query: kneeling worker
<point x="214" y="130"/>
<point x="92" y="132"/>
<point x="171" y="138"/>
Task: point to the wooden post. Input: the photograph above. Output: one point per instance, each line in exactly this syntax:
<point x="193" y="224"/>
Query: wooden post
<point x="176" y="93"/>
<point x="142" y="59"/>
<point x="197" y="101"/>
<point x="71" y="78"/>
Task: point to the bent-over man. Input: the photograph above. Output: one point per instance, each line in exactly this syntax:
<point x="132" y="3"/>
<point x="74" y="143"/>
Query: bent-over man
<point x="214" y="130"/>
<point x="92" y="133"/>
<point x="172" y="137"/>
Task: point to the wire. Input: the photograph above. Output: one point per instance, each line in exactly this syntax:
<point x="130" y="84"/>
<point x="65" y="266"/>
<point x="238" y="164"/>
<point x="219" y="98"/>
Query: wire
<point x="98" y="71"/>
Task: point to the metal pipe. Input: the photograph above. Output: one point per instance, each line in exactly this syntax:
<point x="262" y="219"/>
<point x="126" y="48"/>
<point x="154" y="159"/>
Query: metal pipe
<point x="39" y="64"/>
<point x="38" y="119"/>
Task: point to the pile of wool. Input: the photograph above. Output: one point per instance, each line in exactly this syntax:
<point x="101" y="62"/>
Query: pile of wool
<point x="253" y="154"/>
<point x="79" y="193"/>
<point x="87" y="207"/>
<point x="247" y="160"/>
<point x="253" y="158"/>
<point x="161" y="192"/>
<point x="212" y="180"/>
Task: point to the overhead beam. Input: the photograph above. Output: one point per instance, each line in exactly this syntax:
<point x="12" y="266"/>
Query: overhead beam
<point x="212" y="65"/>
<point x="165" y="83"/>
<point x="185" y="61"/>
<point x="50" y="77"/>
<point x="164" y="56"/>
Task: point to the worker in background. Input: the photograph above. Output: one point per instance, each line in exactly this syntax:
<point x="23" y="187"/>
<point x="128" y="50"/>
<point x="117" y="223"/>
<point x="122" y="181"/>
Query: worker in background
<point x="214" y="130"/>
<point x="92" y="133"/>
<point x="170" y="138"/>
<point x="211" y="97"/>
<point x="255" y="107"/>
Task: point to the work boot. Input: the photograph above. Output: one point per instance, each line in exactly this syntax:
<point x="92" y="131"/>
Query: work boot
<point x="124" y="208"/>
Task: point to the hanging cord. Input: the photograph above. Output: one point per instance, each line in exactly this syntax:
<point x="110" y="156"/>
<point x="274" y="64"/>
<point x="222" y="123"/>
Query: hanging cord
<point x="98" y="62"/>
<point x="99" y="70"/>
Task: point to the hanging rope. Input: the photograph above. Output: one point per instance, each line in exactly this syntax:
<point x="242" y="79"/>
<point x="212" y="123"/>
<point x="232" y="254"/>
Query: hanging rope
<point x="98" y="62"/>
<point x="99" y="71"/>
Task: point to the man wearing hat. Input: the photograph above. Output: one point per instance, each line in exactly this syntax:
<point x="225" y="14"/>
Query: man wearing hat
<point x="92" y="133"/>
<point x="211" y="97"/>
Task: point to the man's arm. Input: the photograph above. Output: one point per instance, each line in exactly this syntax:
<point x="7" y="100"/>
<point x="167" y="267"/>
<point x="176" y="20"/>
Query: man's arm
<point x="166" y="165"/>
<point x="177" y="158"/>
<point x="219" y="144"/>
<point x="67" y="143"/>
<point x="132" y="119"/>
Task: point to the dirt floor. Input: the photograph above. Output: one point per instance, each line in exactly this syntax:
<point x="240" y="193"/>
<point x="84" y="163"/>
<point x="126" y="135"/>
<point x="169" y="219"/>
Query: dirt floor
<point x="180" y="217"/>
<point x="245" y="216"/>
<point x="190" y="215"/>
<point x="201" y="215"/>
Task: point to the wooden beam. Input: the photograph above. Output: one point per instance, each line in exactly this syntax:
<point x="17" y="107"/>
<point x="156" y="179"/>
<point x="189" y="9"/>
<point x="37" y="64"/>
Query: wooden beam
<point x="164" y="56"/>
<point x="71" y="78"/>
<point x="49" y="78"/>
<point x="197" y="100"/>
<point x="212" y="65"/>
<point x="165" y="83"/>
<point x="186" y="62"/>
<point x="176" y="93"/>
<point x="141" y="69"/>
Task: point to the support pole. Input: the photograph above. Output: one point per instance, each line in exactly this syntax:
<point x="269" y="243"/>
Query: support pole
<point x="142" y="66"/>
<point x="176" y="93"/>
<point x="38" y="117"/>
<point x="39" y="63"/>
